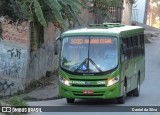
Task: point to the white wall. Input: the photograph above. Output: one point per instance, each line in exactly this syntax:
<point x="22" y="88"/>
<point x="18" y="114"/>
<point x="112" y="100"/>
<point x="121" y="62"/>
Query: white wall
<point x="126" y="15"/>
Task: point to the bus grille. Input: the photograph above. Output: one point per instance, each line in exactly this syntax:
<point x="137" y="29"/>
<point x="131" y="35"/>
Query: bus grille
<point x="88" y="95"/>
<point x="88" y="79"/>
<point x="88" y="85"/>
<point x="76" y="93"/>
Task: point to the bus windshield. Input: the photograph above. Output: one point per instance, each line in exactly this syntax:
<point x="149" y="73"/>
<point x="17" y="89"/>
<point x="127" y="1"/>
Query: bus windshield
<point x="89" y="54"/>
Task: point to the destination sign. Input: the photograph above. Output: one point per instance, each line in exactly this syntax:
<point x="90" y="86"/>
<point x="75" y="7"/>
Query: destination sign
<point x="92" y="41"/>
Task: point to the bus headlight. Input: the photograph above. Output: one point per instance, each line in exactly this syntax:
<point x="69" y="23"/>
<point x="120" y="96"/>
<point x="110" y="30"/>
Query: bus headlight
<point x="64" y="81"/>
<point x="112" y="81"/>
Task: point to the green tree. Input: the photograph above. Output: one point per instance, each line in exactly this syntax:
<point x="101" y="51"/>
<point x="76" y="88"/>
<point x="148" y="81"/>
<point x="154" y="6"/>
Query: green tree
<point x="155" y="13"/>
<point x="12" y="9"/>
<point x="156" y="9"/>
<point x="40" y="12"/>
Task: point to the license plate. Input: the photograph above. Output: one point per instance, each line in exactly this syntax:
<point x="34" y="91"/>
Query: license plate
<point x="88" y="92"/>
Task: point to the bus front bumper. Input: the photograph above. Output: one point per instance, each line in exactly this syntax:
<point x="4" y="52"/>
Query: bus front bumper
<point x="98" y="92"/>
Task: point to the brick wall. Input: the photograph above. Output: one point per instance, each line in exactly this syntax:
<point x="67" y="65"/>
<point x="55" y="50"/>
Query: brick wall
<point x="14" y="53"/>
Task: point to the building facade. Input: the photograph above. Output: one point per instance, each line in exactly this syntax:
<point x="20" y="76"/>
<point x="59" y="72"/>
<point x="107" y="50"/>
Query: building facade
<point x="127" y="12"/>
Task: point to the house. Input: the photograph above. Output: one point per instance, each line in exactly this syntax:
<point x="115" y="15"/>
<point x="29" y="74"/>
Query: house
<point x="127" y="12"/>
<point x="117" y="14"/>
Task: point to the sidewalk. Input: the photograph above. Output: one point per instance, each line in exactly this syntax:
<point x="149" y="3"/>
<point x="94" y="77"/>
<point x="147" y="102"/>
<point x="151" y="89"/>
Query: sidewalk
<point x="46" y="92"/>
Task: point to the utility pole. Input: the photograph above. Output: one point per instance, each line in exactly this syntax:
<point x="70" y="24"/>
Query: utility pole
<point x="146" y="12"/>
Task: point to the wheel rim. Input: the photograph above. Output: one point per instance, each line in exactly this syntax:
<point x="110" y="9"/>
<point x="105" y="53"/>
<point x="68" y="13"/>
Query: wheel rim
<point x="124" y="91"/>
<point x="138" y="86"/>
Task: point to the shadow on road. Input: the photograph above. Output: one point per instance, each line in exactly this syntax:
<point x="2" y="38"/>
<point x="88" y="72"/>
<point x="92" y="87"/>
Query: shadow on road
<point x="108" y="102"/>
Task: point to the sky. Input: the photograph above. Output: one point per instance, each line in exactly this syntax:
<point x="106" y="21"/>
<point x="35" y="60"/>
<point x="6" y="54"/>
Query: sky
<point x="140" y="5"/>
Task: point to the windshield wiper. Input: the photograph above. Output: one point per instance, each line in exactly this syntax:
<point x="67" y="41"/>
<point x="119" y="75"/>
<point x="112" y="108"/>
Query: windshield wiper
<point x="88" y="62"/>
<point x="85" y="60"/>
<point x="95" y="65"/>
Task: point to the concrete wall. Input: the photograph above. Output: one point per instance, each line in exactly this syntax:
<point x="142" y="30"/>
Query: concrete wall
<point x="127" y="12"/>
<point x="19" y="66"/>
<point x="14" y="53"/>
<point x="87" y="17"/>
<point x="43" y="59"/>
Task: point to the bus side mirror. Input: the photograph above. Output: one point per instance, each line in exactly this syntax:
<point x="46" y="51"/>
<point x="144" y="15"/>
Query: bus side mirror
<point x="57" y="45"/>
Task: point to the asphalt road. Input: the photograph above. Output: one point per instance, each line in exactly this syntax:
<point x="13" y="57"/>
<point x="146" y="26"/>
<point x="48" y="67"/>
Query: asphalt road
<point x="150" y="89"/>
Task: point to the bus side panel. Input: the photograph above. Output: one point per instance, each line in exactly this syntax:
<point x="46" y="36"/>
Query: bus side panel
<point x="142" y="74"/>
<point x="132" y="64"/>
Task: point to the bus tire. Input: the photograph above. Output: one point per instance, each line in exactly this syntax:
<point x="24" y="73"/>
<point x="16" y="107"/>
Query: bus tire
<point x="136" y="91"/>
<point x="121" y="100"/>
<point x="69" y="100"/>
<point x="130" y="93"/>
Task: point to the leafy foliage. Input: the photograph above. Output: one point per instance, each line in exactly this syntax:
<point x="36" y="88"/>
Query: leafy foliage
<point x="156" y="9"/>
<point x="43" y="11"/>
<point x="56" y="11"/>
<point x="12" y="9"/>
<point x="39" y="12"/>
<point x="16" y="101"/>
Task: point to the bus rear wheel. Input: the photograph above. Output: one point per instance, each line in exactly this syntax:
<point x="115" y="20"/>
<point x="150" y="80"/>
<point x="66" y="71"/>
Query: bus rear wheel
<point x="130" y="93"/>
<point x="69" y="100"/>
<point x="136" y="91"/>
<point x="121" y="100"/>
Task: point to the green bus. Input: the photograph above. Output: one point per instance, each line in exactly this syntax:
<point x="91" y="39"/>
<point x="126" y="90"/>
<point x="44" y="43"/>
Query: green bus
<point x="105" y="61"/>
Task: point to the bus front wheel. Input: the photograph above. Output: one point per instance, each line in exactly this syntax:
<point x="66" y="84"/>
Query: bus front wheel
<point x="121" y="100"/>
<point x="136" y="91"/>
<point x="70" y="100"/>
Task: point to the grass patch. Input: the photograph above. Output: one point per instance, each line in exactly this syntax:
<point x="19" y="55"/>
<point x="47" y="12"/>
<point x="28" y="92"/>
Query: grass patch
<point x="14" y="101"/>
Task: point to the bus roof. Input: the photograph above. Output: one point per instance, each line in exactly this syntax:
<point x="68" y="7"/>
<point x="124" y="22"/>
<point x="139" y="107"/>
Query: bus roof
<point x="104" y="30"/>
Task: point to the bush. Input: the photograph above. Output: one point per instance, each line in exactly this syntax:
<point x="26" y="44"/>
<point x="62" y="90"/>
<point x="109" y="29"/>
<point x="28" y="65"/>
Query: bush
<point x="16" y="101"/>
<point x="13" y="101"/>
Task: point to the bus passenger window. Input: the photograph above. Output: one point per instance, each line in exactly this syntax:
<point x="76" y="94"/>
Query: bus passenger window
<point x="123" y="50"/>
<point x="127" y="47"/>
<point x="132" y="40"/>
<point x="139" y="43"/>
<point x="142" y="43"/>
<point x="130" y="54"/>
<point x="136" y="46"/>
<point x="136" y="41"/>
